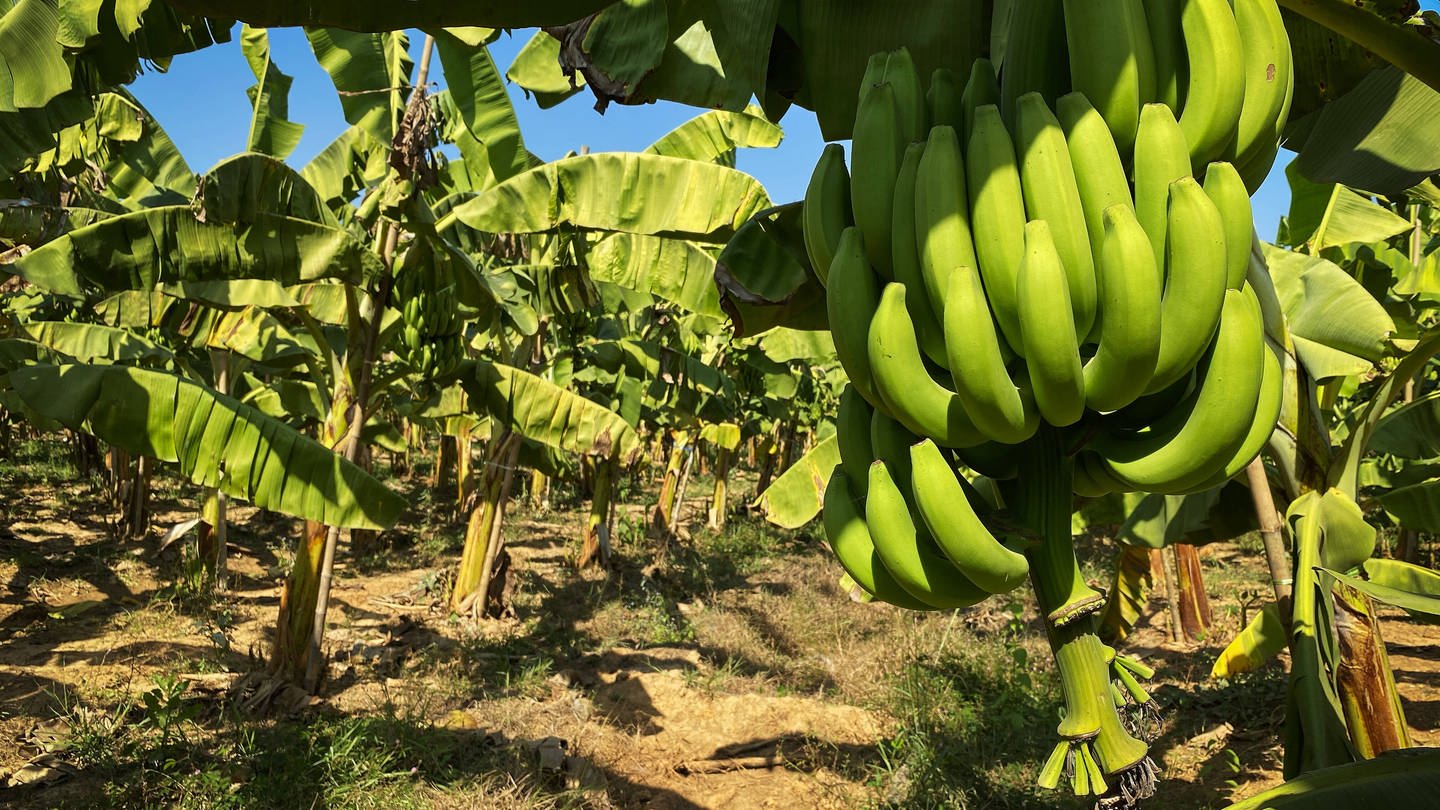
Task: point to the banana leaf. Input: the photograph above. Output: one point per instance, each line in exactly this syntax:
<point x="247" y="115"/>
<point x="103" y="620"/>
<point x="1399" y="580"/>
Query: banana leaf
<point x="1345" y="465"/>
<point x="765" y="278"/>
<point x="1411" y="430"/>
<point x="537" y="71"/>
<point x="715" y="135"/>
<point x="615" y="191"/>
<point x="1129" y="593"/>
<point x="290" y="400"/>
<point x="140" y="250"/>
<point x="1325" y="215"/>
<point x="543" y="412"/>
<point x="240" y="188"/>
<point x="1315" y="732"/>
<point x="795" y="497"/>
<point x="1409" y="777"/>
<point x="620" y="46"/>
<point x="1413" y="601"/>
<point x="1416" y="506"/>
<point x="815" y="347"/>
<point x="28" y="132"/>
<point x="725" y="435"/>
<point x="363" y="66"/>
<point x="216" y="440"/>
<point x="88" y="342"/>
<point x="380" y="16"/>
<point x="675" y="270"/>
<point x="1221" y="513"/>
<point x="1338" y="328"/>
<point x="149" y="171"/>
<point x="1260" y="640"/>
<point x="1376" y="137"/>
<point x="236" y="294"/>
<point x="271" y="130"/>
<point x="32" y="63"/>
<point x="478" y="92"/>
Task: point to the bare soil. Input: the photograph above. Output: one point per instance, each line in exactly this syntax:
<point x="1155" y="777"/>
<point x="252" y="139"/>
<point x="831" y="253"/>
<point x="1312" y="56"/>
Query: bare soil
<point x="734" y="680"/>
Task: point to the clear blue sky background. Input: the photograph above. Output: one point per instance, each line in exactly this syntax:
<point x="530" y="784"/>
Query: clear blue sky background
<point x="202" y="104"/>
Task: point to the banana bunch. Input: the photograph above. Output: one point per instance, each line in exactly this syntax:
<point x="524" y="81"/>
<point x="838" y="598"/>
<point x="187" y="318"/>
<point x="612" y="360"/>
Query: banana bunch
<point x="1050" y="293"/>
<point x="903" y="524"/>
<point x="1223" y="66"/>
<point x="1031" y="277"/>
<point x="431" y="340"/>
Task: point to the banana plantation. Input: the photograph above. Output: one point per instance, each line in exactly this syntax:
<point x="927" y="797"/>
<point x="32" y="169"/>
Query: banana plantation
<point x="1012" y="458"/>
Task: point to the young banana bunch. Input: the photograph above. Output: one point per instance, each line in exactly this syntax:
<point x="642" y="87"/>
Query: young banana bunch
<point x="1055" y="308"/>
<point x="431" y="340"/>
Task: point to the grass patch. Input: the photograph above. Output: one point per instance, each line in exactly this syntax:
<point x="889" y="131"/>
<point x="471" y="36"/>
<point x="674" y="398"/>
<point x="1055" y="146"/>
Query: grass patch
<point x="973" y="721"/>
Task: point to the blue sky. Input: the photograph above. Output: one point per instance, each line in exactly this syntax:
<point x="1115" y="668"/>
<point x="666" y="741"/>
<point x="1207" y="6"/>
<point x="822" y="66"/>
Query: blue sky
<point x="201" y="102"/>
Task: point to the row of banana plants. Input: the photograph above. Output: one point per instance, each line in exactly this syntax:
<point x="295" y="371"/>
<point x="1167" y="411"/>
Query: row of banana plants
<point x="264" y="329"/>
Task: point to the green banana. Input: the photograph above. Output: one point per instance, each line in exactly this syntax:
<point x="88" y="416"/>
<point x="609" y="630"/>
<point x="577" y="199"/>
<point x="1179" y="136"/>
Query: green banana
<point x="905" y="260"/>
<point x="1104" y="65"/>
<point x="890" y="442"/>
<point x="1099" y="172"/>
<point x="942" y="215"/>
<point x="909" y="393"/>
<point x="875" y="153"/>
<point x="850" y="301"/>
<point x="997" y="215"/>
<point x="1162" y="18"/>
<point x="1139" y="30"/>
<point x="1187" y="447"/>
<point x="991" y="400"/>
<point x="946" y="510"/>
<point x="826" y="210"/>
<point x="1267" y="413"/>
<point x="981" y="89"/>
<point x="1226" y="189"/>
<point x="1215" y="78"/>
<point x="1035" y="58"/>
<point x="852" y="433"/>
<point x="1161" y="158"/>
<point x="908" y="553"/>
<point x="910" y="100"/>
<point x="1269" y="79"/>
<point x="1196" y="272"/>
<point x="850" y="539"/>
<point x="1130" y="332"/>
<point x="1048" y="182"/>
<point x="943" y="98"/>
<point x="1051" y="349"/>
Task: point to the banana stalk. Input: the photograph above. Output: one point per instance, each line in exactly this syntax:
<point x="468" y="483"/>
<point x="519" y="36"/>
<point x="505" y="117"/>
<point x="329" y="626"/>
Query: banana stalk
<point x="1102" y="758"/>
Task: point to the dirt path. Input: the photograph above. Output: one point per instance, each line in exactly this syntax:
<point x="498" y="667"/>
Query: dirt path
<point x="741" y="678"/>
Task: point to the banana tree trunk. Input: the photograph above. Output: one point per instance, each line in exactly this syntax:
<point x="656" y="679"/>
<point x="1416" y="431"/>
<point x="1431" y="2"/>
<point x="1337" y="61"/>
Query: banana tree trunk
<point x="212" y="531"/>
<point x="767" y="462"/>
<point x="679" y="503"/>
<point x="211" y="538"/>
<point x="463" y="471"/>
<point x="1175" y="626"/>
<point x="718" y="505"/>
<point x="444" y="463"/>
<point x="1366" y="681"/>
<point x="1195" y="614"/>
<point x="475" y="581"/>
<point x="1281" y="578"/>
<point x="595" y="549"/>
<point x="661" y="520"/>
<point x="539" y="491"/>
